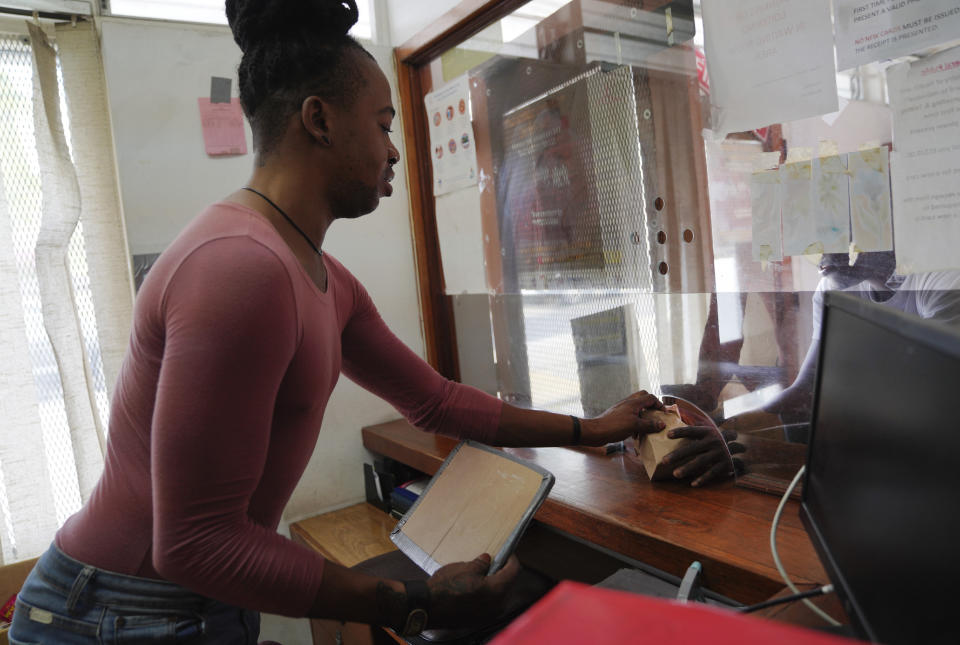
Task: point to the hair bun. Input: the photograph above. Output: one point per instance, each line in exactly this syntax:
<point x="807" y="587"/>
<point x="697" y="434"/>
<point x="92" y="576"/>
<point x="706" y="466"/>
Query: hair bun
<point x="256" y="21"/>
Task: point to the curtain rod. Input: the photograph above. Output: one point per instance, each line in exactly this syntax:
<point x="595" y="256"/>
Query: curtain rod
<point x="49" y="15"/>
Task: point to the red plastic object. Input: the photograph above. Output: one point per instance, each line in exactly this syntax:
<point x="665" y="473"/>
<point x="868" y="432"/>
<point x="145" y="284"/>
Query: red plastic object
<point x="576" y="613"/>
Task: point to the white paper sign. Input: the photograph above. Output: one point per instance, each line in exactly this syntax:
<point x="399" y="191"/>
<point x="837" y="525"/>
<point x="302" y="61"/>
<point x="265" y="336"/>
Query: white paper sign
<point x="769" y="61"/>
<point x="925" y="98"/>
<point x="871" y="30"/>
<point x="460" y="233"/>
<point x="451" y="137"/>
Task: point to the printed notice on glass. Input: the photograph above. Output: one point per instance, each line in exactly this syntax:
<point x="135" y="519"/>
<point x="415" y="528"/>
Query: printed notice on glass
<point x="769" y="61"/>
<point x="870" y="219"/>
<point x="451" y="137"/>
<point x="831" y="203"/>
<point x="925" y="99"/>
<point x="872" y="30"/>
<point x="796" y="213"/>
<point x="765" y="208"/>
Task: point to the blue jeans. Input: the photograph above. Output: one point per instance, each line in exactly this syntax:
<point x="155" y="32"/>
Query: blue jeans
<point x="65" y="602"/>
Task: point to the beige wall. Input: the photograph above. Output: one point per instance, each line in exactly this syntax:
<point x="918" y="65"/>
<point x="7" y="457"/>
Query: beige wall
<point x="166" y="178"/>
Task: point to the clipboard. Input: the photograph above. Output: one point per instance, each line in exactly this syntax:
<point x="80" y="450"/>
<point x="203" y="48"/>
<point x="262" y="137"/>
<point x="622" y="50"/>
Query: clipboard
<point x="480" y="501"/>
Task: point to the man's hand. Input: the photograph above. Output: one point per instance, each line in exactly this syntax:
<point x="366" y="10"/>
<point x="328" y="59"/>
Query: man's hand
<point x="622" y="420"/>
<point x="703" y="457"/>
<point x="463" y="595"/>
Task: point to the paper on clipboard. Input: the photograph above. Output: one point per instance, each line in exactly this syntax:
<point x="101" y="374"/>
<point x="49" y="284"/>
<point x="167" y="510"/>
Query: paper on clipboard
<point x="480" y="501"/>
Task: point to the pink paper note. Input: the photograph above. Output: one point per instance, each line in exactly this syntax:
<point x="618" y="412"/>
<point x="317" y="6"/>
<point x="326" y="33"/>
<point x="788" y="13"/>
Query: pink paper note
<point x="222" y="127"/>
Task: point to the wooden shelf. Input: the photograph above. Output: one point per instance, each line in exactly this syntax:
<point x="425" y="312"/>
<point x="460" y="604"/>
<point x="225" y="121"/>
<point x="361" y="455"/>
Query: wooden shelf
<point x="348" y="537"/>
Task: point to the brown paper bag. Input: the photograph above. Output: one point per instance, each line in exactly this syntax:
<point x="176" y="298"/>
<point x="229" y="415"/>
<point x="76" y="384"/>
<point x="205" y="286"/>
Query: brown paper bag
<point x="653" y="447"/>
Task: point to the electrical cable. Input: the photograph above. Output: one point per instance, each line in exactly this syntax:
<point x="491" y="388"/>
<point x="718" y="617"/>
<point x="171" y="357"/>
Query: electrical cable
<point x="776" y="556"/>
<point x="819" y="591"/>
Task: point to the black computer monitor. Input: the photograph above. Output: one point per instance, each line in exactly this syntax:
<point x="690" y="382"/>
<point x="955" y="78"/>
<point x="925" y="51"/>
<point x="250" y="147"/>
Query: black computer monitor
<point x="881" y="494"/>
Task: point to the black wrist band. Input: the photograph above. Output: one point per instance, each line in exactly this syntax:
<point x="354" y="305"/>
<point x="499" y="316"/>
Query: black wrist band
<point x="418" y="594"/>
<point x="418" y="606"/>
<point x="576" y="431"/>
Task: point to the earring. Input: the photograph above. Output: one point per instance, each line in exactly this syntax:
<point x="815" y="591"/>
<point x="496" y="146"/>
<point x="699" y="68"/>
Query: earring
<point x="325" y="139"/>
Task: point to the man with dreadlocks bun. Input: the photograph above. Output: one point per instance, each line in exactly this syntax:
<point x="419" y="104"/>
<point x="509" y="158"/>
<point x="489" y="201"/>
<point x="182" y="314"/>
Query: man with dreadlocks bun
<point x="240" y="332"/>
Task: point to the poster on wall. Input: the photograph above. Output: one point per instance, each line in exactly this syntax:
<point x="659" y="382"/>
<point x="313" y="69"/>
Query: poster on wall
<point x="222" y="125"/>
<point x="768" y="62"/>
<point x="451" y="137"/>
<point x="872" y="30"/>
<point x="925" y="98"/>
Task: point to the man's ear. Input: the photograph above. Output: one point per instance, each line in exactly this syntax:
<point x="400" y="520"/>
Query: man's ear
<point x="317" y="118"/>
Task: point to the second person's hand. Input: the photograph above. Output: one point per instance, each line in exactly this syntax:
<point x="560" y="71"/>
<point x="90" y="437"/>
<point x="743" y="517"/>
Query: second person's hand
<point x="703" y="458"/>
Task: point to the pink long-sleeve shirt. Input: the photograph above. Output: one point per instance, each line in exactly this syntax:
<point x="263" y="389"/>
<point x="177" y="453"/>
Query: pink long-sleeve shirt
<point x="233" y="355"/>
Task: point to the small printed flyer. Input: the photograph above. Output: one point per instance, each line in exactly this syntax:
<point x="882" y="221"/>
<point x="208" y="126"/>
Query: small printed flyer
<point x="451" y="137"/>
<point x="222" y="125"/>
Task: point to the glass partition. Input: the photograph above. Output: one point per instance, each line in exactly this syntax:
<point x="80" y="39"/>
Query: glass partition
<point x="600" y="234"/>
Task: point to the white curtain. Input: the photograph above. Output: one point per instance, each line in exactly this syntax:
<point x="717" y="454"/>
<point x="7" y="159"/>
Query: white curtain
<point x="66" y="285"/>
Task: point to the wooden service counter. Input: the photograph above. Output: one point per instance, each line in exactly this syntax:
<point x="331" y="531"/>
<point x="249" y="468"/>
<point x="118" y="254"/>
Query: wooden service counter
<point x="608" y="501"/>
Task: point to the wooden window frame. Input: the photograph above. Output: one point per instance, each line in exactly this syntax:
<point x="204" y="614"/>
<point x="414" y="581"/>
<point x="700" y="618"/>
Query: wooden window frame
<point x="412" y="62"/>
<point x="452" y="28"/>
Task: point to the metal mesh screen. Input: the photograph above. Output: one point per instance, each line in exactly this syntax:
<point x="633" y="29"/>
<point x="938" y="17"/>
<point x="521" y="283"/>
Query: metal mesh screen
<point x="580" y="223"/>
